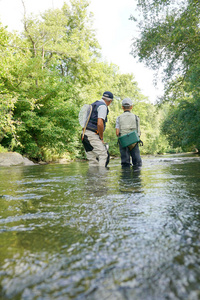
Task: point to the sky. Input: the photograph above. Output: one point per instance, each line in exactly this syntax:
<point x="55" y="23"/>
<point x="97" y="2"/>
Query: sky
<point x="114" y="32"/>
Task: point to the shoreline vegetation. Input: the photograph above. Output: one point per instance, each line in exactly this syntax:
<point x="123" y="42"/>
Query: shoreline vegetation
<point x="8" y="159"/>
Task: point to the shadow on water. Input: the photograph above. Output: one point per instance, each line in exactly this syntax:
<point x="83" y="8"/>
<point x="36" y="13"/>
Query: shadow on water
<point x="74" y="232"/>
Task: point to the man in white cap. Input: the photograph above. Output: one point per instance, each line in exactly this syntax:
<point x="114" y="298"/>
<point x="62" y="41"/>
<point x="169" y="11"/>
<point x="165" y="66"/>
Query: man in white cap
<point x="125" y="123"/>
<point x="93" y="143"/>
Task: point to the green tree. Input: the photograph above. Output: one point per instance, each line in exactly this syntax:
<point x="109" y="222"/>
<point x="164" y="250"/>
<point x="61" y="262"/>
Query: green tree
<point x="49" y="69"/>
<point x="7" y="98"/>
<point x="170" y="39"/>
<point x="181" y="125"/>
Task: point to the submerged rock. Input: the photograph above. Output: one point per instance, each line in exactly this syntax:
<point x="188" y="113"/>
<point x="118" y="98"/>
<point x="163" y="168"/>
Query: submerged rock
<point x="14" y="159"/>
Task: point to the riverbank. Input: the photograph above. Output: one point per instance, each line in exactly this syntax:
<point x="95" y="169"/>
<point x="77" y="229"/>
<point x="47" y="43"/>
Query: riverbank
<point x="8" y="159"/>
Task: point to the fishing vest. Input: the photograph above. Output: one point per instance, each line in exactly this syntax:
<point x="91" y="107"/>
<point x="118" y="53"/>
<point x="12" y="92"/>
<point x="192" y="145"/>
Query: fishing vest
<point x="127" y="123"/>
<point x="92" y="124"/>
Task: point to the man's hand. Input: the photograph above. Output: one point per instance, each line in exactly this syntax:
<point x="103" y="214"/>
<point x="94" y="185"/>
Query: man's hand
<point x="100" y="128"/>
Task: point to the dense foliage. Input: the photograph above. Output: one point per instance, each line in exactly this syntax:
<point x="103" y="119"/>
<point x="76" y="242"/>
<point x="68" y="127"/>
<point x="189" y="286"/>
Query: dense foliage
<point x="54" y="66"/>
<point x="170" y="40"/>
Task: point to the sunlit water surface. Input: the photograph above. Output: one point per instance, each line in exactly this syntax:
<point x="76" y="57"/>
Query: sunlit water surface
<point x="70" y="232"/>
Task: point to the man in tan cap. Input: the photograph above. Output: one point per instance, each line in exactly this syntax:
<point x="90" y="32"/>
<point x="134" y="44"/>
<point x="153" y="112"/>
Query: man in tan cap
<point x="126" y="123"/>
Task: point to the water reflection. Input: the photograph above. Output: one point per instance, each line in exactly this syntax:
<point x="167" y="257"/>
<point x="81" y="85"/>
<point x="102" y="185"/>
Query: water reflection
<point x="74" y="232"/>
<point x="130" y="180"/>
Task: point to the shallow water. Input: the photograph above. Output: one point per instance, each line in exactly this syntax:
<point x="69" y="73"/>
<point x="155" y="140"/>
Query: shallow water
<point x="71" y="232"/>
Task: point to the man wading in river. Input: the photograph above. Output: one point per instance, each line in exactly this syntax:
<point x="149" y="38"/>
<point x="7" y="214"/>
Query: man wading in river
<point x="93" y="143"/>
<point x="125" y="124"/>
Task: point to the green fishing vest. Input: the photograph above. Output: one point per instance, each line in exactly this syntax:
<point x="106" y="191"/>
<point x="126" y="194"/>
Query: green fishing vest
<point x="127" y="123"/>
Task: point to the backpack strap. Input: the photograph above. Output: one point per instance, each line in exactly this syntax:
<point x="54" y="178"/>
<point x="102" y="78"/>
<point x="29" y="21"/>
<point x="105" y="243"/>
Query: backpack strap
<point x="136" y="119"/>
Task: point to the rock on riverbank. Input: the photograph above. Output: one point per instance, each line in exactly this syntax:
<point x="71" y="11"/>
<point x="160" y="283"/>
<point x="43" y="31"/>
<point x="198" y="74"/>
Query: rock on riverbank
<point x="14" y="159"/>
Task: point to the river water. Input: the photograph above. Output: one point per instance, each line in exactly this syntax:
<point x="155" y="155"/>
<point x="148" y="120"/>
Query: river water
<point x="72" y="232"/>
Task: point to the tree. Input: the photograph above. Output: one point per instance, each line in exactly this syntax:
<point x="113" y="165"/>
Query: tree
<point x="49" y="69"/>
<point x="181" y="125"/>
<point x="170" y="39"/>
<point x="7" y="98"/>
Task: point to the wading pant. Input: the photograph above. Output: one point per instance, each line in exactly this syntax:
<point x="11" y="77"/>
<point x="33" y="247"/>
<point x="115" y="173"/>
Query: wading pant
<point x="126" y="154"/>
<point x="95" y="149"/>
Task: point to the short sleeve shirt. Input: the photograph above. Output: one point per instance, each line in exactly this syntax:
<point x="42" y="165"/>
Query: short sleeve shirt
<point x="102" y="110"/>
<point x="117" y="123"/>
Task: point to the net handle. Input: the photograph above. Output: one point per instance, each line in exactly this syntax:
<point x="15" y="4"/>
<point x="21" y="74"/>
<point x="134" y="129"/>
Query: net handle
<point x="84" y="129"/>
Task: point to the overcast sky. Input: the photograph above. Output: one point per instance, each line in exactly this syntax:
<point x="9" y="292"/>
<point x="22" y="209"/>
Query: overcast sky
<point x="114" y="33"/>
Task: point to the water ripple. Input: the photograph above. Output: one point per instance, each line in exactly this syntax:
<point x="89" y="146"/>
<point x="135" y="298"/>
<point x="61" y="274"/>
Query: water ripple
<point x="69" y="232"/>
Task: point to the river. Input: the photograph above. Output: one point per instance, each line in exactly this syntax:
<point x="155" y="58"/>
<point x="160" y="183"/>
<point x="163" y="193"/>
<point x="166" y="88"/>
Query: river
<point x="74" y="232"/>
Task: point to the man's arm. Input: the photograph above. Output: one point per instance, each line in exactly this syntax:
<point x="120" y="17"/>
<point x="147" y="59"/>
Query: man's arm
<point x="139" y="130"/>
<point x="117" y="131"/>
<point x="117" y="126"/>
<point x="100" y="127"/>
